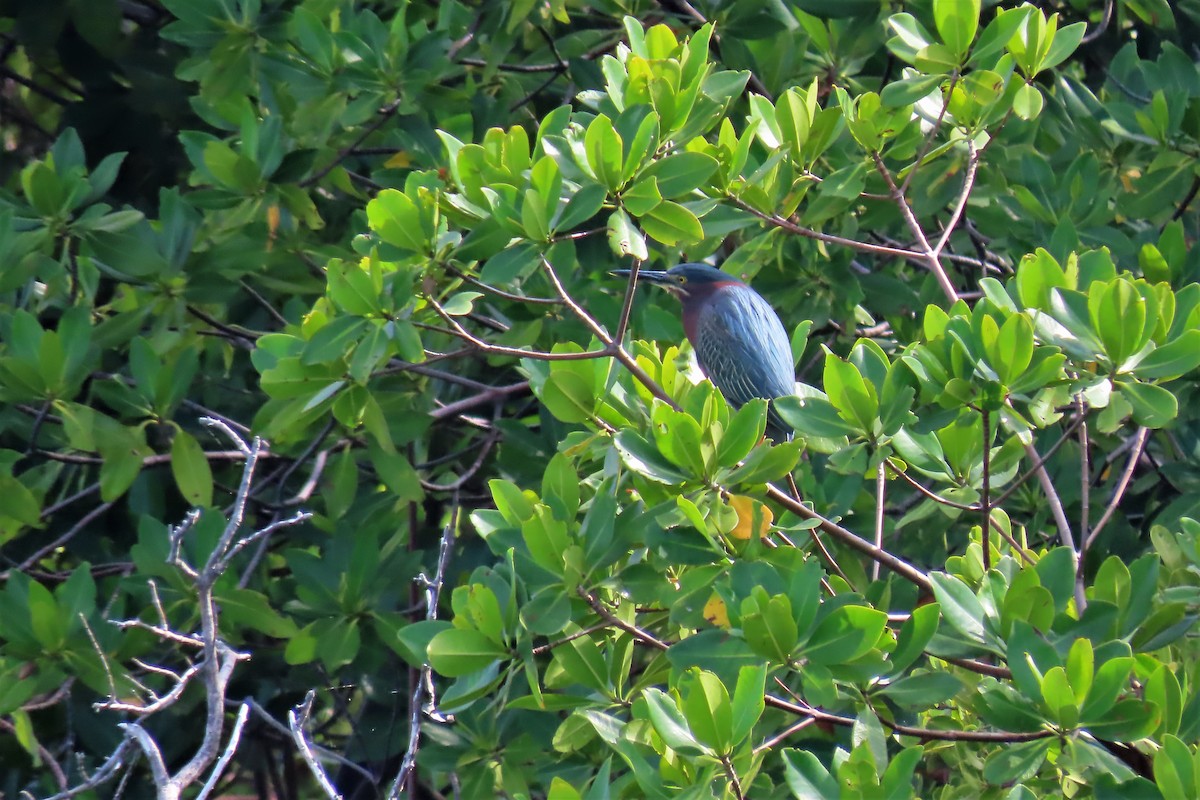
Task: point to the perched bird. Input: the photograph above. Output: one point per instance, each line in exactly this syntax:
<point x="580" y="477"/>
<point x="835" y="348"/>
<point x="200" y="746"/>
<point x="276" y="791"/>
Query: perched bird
<point x="739" y="341"/>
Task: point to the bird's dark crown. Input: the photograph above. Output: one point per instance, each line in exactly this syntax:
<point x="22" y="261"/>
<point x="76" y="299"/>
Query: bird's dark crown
<point x="682" y="277"/>
<point x="700" y="273"/>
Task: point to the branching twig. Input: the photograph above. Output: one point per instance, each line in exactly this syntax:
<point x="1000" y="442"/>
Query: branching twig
<point x="930" y="254"/>
<point x="424" y="697"/>
<point x="217" y="659"/>
<point x="385" y="113"/>
<point x="297" y="723"/>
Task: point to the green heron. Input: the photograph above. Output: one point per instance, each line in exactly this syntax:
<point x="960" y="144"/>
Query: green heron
<point x="739" y="341"/>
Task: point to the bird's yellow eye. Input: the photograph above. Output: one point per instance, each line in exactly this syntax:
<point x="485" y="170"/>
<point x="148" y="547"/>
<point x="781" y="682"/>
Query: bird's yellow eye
<point x="681" y="278"/>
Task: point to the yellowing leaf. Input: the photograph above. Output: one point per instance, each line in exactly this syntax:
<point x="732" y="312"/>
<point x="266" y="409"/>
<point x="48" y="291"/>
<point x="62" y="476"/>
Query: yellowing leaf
<point x="400" y="159"/>
<point x="752" y="515"/>
<point x="716" y="612"/>
<point x="272" y="224"/>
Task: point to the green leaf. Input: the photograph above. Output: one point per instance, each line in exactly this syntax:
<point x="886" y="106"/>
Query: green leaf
<point x="396" y="472"/>
<point x="1171" y="360"/>
<point x="1162" y="689"/>
<point x="915" y="636"/>
<point x="1066" y="40"/>
<point x="854" y="399"/>
<point x="462" y="651"/>
<point x="960" y="607"/>
<point x="807" y="777"/>
<point x="603" y="146"/>
<point x="1028" y="101"/>
<point x="1175" y="769"/>
<point x="670" y="724"/>
<point x="957" y="21"/>
<point x="412" y="641"/>
<point x="584" y="204"/>
<point x="748" y="702"/>
<point x="510" y="263"/>
<point x="461" y="303"/>
<point x="708" y="712"/>
<point x="643" y="458"/>
<point x="1109" y="681"/>
<point x="398" y="221"/>
<point x="672" y="224"/>
<point x="1153" y="406"/>
<point x="923" y="690"/>
<point x="681" y="173"/>
<point x="745" y="430"/>
<point x="1059" y="697"/>
<point x="814" y="416"/>
<point x="560" y="487"/>
<point x="1016" y="762"/>
<point x="568" y="396"/>
<point x="191" y="469"/>
<point x="624" y="237"/>
<point x="1056" y="572"/>
<point x="121" y="466"/>
<point x="20" y="504"/>
<point x="846" y="635"/>
<point x="643" y="196"/>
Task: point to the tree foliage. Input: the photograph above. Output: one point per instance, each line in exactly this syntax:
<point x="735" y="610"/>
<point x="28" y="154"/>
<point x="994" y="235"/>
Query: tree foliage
<point x="502" y="538"/>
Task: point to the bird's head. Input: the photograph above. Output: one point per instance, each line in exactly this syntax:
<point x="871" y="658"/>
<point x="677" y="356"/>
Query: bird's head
<point x="684" y="280"/>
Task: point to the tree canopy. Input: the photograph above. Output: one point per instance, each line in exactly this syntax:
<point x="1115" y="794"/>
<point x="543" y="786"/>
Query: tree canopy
<point x="334" y="462"/>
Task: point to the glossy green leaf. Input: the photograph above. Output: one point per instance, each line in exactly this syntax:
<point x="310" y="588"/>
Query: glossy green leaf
<point x="846" y="635"/>
<point x="960" y="607"/>
<point x="189" y="465"/>
<point x="461" y="651"/>
<point x="672" y="224"/>
<point x="957" y="21"/>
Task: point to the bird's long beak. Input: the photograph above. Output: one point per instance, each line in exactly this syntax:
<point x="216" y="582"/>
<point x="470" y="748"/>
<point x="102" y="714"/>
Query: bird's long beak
<point x="648" y="275"/>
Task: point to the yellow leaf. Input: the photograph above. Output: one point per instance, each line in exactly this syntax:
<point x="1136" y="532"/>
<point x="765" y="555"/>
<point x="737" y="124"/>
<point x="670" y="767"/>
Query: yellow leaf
<point x="715" y="611"/>
<point x="752" y="515"/>
<point x="272" y="224"/>
<point x="400" y="159"/>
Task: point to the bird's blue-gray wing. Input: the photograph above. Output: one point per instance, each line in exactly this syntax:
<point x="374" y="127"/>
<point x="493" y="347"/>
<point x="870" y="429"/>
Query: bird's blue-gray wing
<point x="743" y="349"/>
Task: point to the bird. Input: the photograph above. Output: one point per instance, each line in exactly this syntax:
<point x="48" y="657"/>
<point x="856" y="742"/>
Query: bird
<point x="739" y="341"/>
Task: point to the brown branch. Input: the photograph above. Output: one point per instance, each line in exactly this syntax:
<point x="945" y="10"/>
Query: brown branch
<point x="960" y="206"/>
<point x="809" y="233"/>
<point x="852" y="540"/>
<point x="930" y="255"/>
<point x="805" y="710"/>
<point x="612" y="619"/>
<point x="1139" y="444"/>
<point x="384" y="114"/>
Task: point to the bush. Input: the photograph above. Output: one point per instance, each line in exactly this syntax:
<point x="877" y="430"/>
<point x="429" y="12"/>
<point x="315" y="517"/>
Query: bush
<point x="325" y="423"/>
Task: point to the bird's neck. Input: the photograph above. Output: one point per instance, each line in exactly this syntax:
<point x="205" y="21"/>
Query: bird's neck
<point x="694" y="302"/>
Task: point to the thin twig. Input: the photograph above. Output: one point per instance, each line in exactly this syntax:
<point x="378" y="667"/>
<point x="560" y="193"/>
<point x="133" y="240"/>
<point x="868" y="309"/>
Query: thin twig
<point x="930" y="255"/>
<point x="1056" y="506"/>
<point x="1135" y="455"/>
<point x="235" y="736"/>
<point x="297" y="722"/>
<point x="1096" y="32"/>
<point x="930" y="135"/>
<point x="985" y="505"/>
<point x="791" y="227"/>
<point x="612" y="619"/>
<point x="803" y="709"/>
<point x="627" y="304"/>
<point x="384" y="114"/>
<point x="880" y="494"/>
<point x="963" y="196"/>
<point x="424" y="697"/>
